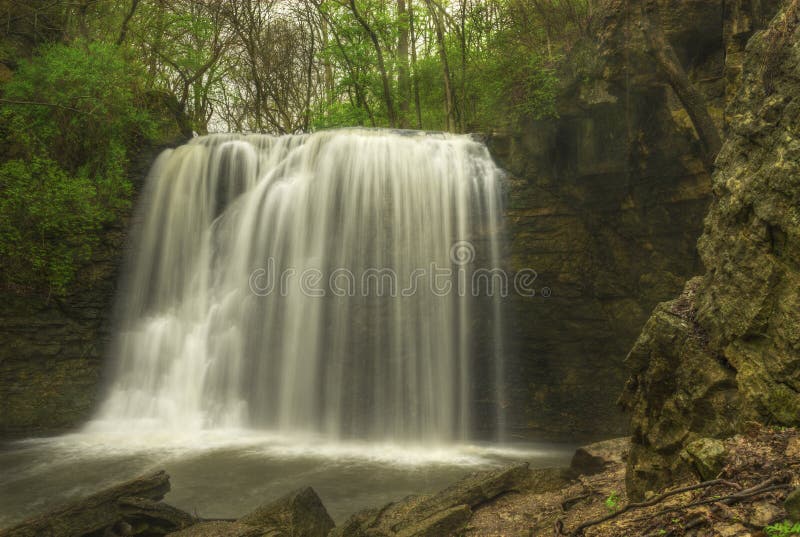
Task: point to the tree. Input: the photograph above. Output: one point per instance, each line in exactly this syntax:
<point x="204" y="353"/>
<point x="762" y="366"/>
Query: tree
<point x="403" y="78"/>
<point x="387" y="91"/>
<point x="437" y="13"/>
<point x="692" y="100"/>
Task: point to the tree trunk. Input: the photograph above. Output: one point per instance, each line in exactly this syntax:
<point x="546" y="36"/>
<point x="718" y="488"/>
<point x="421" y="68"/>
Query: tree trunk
<point x="449" y="108"/>
<point x="692" y="100"/>
<point x="360" y="98"/>
<point x="328" y="68"/>
<point x="411" y="22"/>
<point x="387" y="91"/>
<point x="463" y="41"/>
<point x="123" y="32"/>
<point x="403" y="81"/>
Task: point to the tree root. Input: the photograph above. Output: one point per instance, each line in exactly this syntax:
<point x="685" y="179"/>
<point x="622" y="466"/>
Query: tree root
<point x="770" y="485"/>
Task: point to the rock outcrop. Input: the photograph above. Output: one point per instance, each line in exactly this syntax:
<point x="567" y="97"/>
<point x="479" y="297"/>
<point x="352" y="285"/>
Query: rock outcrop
<point x="727" y="351"/>
<point x="135" y="508"/>
<point x="298" y="513"/>
<point x="444" y="513"/>
<point x="606" y="203"/>
<point x="596" y="457"/>
<point x="113" y="511"/>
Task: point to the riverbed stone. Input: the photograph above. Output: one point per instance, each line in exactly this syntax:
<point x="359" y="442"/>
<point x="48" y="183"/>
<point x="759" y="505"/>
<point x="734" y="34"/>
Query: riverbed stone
<point x="299" y="513"/>
<point x="443" y="513"/>
<point x="445" y="522"/>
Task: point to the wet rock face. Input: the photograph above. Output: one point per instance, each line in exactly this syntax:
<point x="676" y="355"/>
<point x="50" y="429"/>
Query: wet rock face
<point x="727" y="352"/>
<point x="608" y="218"/>
<point x="606" y="203"/>
<point x="51" y="349"/>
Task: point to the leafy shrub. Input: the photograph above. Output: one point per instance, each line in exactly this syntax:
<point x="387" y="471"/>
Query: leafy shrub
<point x="48" y="225"/>
<point x="68" y="117"/>
<point x="783" y="529"/>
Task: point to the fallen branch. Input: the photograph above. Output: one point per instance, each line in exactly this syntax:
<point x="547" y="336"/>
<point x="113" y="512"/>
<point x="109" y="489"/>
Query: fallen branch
<point x="51" y="105"/>
<point x="725" y="500"/>
<point x="763" y="488"/>
<point x="653" y="501"/>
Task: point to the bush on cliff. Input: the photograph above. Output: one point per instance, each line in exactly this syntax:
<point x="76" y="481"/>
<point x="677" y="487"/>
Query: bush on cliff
<point x="69" y="116"/>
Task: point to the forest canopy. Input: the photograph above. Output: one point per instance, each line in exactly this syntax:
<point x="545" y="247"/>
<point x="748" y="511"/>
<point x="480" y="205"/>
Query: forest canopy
<point x="85" y="83"/>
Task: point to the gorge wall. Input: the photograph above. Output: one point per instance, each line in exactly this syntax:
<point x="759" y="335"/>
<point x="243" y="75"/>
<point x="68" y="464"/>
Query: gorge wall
<point x="726" y="352"/>
<point x="606" y="203"/>
<point x="52" y="348"/>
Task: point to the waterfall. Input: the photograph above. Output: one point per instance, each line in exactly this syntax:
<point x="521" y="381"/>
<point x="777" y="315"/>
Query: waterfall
<point x="300" y="284"/>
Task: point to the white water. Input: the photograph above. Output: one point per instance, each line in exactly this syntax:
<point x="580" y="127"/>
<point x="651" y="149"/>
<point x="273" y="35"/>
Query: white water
<point x="199" y="349"/>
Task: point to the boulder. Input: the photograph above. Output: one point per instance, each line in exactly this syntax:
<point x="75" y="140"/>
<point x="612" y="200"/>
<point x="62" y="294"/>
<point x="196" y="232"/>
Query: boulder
<point x="446" y="522"/>
<point x="726" y="352"/>
<point x="298" y="514"/>
<point x="594" y="458"/>
<point x="474" y="490"/>
<point x="157" y="518"/>
<point x="792" y="504"/>
<point x="707" y="455"/>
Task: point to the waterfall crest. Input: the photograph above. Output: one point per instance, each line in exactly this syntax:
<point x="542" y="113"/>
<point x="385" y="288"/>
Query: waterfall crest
<point x="290" y="283"/>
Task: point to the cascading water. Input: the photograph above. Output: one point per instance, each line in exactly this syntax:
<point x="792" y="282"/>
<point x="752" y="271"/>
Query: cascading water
<point x="313" y="283"/>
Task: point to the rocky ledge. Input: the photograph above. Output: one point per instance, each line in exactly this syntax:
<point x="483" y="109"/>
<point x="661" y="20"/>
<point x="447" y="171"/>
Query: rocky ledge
<point x="136" y="508"/>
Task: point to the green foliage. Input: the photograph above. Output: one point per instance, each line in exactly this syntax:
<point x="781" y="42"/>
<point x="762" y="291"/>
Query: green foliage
<point x="783" y="529"/>
<point x="513" y="82"/>
<point x="71" y="111"/>
<point x="339" y="114"/>
<point x="68" y="116"/>
<point x="497" y="70"/>
<point x="48" y="225"/>
<point x="612" y="502"/>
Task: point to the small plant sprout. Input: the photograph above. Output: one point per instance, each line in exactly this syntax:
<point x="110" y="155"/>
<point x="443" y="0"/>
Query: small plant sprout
<point x="612" y="502"/>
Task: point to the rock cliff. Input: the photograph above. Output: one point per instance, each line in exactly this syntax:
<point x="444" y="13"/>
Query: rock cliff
<point x="726" y="352"/>
<point x="606" y="203"/>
